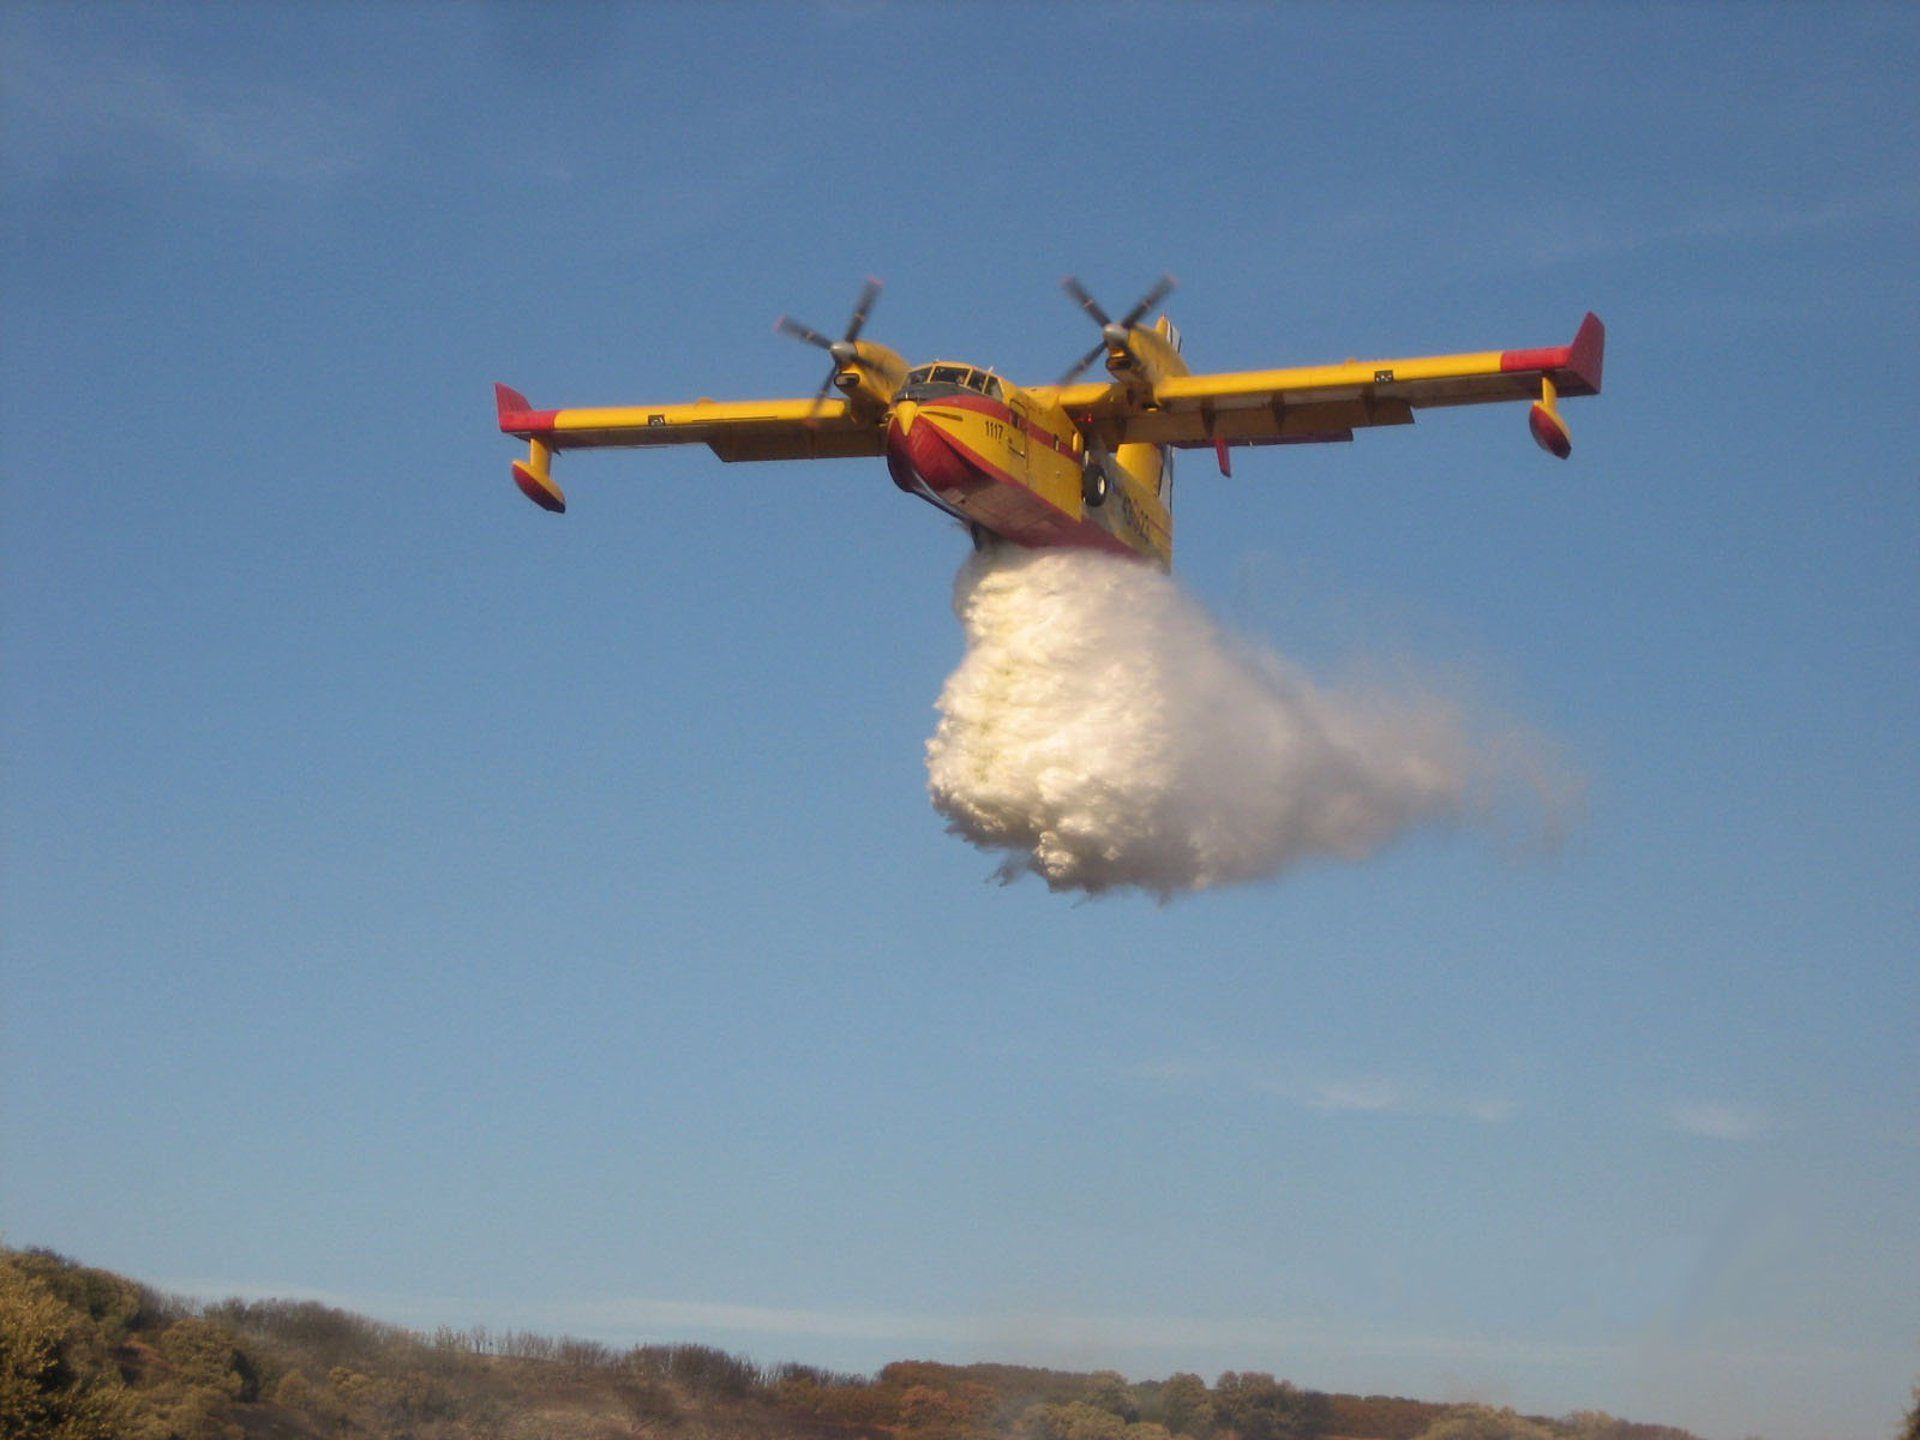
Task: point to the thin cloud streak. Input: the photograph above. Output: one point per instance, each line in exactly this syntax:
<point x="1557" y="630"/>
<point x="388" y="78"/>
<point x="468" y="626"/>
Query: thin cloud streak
<point x="1374" y="1094"/>
<point x="1033" y="1337"/>
<point x="1715" y="1120"/>
<point x="1379" y="1095"/>
<point x="1359" y="1094"/>
<point x="1537" y="232"/>
<point x="61" y="110"/>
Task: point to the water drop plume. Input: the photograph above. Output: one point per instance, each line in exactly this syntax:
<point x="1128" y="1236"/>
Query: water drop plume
<point x="1104" y="733"/>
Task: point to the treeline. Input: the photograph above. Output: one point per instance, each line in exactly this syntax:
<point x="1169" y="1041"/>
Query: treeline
<point x="89" y="1355"/>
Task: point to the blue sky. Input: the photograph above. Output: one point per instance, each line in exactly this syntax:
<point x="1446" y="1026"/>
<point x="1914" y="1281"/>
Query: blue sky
<point x="467" y="915"/>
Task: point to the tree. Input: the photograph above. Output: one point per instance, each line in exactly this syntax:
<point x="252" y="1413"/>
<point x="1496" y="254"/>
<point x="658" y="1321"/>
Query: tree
<point x="1911" y="1430"/>
<point x="929" y="1412"/>
<point x="1482" y="1422"/>
<point x="1186" y="1406"/>
<point x="1076" y="1420"/>
<point x="204" y="1355"/>
<point x="1109" y="1391"/>
<point x="1255" y="1406"/>
<point x="114" y="1303"/>
<point x="52" y="1383"/>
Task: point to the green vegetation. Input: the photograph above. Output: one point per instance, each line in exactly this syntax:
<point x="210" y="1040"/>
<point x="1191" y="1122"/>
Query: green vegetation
<point x="89" y="1355"/>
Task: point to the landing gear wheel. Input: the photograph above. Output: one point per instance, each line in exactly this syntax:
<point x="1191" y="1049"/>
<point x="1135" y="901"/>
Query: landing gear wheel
<point x="1093" y="486"/>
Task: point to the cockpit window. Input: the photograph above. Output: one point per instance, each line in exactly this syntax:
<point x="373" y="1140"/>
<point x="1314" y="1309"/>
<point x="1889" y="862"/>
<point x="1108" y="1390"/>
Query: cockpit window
<point x="962" y="376"/>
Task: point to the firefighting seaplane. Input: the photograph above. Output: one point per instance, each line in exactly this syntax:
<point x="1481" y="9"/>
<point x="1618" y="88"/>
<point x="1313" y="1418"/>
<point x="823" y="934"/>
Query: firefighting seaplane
<point x="1085" y="463"/>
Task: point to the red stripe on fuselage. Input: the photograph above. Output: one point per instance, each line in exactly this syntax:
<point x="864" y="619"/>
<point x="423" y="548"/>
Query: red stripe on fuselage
<point x="995" y="410"/>
<point x="988" y="495"/>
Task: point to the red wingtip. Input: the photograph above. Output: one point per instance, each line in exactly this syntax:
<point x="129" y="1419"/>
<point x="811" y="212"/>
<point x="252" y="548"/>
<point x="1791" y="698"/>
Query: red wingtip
<point x="1586" y="357"/>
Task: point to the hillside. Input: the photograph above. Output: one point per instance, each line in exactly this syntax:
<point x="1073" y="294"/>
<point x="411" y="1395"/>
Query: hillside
<point x="86" y="1354"/>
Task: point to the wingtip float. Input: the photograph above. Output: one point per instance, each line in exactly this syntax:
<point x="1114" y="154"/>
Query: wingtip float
<point x="1085" y="464"/>
<point x="534" y="476"/>
<point x="1570" y="370"/>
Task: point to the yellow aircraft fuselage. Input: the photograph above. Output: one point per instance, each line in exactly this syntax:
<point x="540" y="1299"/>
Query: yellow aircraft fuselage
<point x="1012" y="464"/>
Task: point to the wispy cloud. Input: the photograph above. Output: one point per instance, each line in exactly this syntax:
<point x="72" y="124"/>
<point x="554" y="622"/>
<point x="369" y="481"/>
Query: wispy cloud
<point x="1370" y="1093"/>
<point x="1355" y="1093"/>
<point x="1536" y="230"/>
<point x="649" y="1316"/>
<point x="1382" y="1095"/>
<point x="1554" y="232"/>
<point x="1715" y="1120"/>
<point x="61" y="107"/>
<point x="1034" y="1337"/>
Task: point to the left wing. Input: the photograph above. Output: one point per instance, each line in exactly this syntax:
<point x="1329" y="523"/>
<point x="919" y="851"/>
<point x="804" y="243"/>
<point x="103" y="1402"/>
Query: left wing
<point x="734" y="430"/>
<point x="1330" y="402"/>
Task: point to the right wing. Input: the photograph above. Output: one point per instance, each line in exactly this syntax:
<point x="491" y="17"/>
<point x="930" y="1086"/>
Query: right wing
<point x="1330" y="402"/>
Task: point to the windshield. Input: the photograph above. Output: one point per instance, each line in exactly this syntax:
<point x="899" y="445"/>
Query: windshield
<point x="963" y="377"/>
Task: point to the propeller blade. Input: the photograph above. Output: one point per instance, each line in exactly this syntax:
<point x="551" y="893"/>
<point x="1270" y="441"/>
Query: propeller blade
<point x="1085" y="360"/>
<point x="820" y="395"/>
<point x="862" y="308"/>
<point x="1087" y="303"/>
<point x="787" y="325"/>
<point x="1160" y="291"/>
<point x="1162" y="288"/>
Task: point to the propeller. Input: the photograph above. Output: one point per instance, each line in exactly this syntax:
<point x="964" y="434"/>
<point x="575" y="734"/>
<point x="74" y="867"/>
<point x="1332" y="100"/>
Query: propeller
<point x="1113" y="333"/>
<point x="843" y="350"/>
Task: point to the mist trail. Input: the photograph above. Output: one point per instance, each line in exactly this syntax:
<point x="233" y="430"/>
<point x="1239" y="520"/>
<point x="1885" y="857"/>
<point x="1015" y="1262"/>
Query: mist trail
<point x="1105" y="733"/>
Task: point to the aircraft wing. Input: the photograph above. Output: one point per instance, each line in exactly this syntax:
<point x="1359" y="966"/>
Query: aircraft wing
<point x="1330" y="402"/>
<point x="732" y="429"/>
<point x="825" y="429"/>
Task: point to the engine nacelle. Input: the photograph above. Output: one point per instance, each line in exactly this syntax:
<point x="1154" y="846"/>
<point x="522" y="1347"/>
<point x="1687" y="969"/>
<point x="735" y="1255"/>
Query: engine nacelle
<point x="869" y="375"/>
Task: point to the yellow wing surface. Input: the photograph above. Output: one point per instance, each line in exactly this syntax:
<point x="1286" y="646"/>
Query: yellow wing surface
<point x="823" y="429"/>
<point x="1330" y="402"/>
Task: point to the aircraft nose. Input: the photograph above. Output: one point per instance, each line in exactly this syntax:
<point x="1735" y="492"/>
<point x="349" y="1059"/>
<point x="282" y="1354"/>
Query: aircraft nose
<point x="899" y="450"/>
<point x="920" y="453"/>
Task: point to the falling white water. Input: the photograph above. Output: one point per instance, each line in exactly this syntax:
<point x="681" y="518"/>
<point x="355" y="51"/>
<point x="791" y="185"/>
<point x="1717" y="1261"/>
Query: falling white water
<point x="1105" y="733"/>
